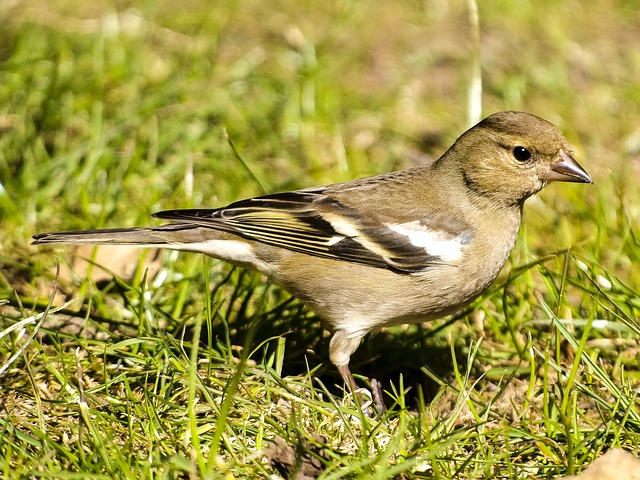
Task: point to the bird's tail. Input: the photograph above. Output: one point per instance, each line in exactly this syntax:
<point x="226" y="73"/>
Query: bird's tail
<point x="165" y="235"/>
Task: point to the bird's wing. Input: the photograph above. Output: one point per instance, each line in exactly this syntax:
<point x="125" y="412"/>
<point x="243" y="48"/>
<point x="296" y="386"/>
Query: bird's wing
<point x="315" y="223"/>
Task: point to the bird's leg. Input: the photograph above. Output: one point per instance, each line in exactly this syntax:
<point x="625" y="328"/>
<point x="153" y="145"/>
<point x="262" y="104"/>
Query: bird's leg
<point x="340" y="350"/>
<point x="348" y="379"/>
<point x="376" y="391"/>
<point x="341" y="347"/>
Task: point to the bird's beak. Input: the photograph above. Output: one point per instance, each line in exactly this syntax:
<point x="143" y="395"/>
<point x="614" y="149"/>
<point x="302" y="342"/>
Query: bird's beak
<point x="566" y="169"/>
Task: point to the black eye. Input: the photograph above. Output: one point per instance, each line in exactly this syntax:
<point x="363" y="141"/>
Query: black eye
<point x="521" y="154"/>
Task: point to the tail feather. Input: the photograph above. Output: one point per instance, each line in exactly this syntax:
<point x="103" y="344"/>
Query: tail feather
<point x="142" y="236"/>
<point x="185" y="237"/>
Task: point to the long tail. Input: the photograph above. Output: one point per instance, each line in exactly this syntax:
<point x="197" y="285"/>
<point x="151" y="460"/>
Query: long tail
<point x="165" y="235"/>
<point x="187" y="237"/>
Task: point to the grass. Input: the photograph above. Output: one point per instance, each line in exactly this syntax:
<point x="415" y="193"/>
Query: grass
<point x="175" y="366"/>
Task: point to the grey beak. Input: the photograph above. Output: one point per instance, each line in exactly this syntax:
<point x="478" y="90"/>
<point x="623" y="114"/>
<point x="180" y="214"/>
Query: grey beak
<point x="567" y="170"/>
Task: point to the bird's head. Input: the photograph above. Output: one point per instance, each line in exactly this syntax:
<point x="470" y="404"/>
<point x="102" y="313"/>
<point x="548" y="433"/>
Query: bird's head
<point x="510" y="156"/>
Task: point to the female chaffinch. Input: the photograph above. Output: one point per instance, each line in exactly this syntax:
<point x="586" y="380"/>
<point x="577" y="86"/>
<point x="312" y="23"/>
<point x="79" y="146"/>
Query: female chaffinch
<point x="402" y="247"/>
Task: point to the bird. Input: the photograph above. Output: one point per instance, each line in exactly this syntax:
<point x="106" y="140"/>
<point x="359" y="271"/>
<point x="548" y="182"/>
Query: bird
<point x="403" y="247"/>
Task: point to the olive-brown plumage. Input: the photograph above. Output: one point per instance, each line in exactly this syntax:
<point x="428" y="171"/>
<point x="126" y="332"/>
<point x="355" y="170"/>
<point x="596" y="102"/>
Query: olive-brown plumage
<point x="402" y="247"/>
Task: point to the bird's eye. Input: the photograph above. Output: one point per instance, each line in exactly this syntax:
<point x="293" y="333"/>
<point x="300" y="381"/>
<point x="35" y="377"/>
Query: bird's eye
<point x="521" y="154"/>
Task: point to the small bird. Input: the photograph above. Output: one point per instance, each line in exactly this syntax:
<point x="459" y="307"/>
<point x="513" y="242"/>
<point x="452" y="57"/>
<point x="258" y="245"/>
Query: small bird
<point x="403" y="247"/>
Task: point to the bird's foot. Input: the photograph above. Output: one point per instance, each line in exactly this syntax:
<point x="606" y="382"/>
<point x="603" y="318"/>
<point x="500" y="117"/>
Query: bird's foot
<point x="376" y="392"/>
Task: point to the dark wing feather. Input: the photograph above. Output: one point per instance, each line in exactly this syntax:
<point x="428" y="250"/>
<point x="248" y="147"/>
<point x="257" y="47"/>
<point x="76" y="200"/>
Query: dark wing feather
<point x="314" y="223"/>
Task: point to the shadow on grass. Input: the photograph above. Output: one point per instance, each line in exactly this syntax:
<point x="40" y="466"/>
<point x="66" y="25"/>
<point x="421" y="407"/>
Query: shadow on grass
<point x="395" y="356"/>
